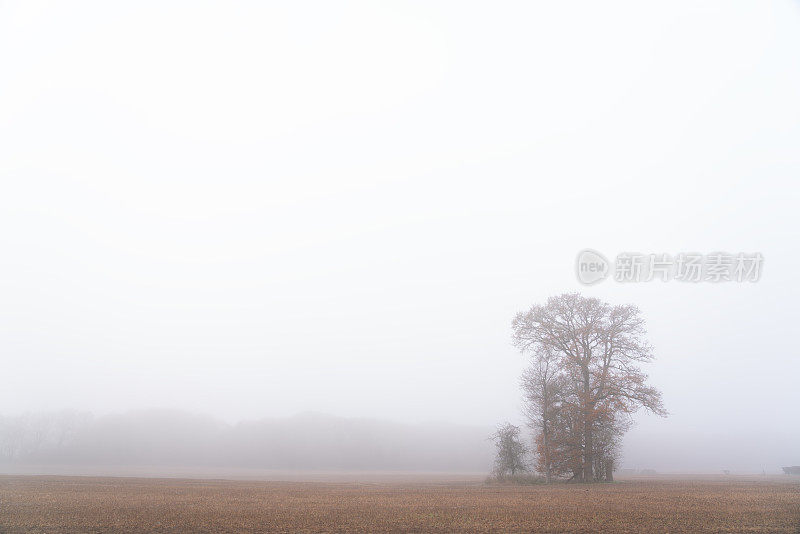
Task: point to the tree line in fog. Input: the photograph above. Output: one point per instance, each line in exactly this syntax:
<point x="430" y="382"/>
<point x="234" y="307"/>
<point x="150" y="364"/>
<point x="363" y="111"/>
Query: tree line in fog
<point x="306" y="441"/>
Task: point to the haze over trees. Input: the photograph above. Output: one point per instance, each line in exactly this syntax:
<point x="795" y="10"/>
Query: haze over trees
<point x="307" y="441"/>
<point x="583" y="383"/>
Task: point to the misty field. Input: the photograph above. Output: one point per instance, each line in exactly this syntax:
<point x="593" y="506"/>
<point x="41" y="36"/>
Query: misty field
<point x="94" y="504"/>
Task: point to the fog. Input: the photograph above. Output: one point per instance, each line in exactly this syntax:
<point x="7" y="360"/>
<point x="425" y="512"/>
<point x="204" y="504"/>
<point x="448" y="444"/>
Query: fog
<point x="308" y="442"/>
<point x="217" y="219"/>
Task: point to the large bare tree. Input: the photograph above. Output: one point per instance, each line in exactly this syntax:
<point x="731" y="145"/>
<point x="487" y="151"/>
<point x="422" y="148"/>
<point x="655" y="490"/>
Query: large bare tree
<point x="585" y="373"/>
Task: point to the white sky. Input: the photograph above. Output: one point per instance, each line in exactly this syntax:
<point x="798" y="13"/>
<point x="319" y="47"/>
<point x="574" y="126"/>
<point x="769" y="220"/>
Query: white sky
<point x="254" y="209"/>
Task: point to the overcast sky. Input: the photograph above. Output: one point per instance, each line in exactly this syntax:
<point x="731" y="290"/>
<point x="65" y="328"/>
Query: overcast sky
<point x="251" y="209"/>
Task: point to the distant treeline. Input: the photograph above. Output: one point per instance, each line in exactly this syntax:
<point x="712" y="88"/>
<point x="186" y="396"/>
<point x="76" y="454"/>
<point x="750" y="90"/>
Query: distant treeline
<point x="306" y="441"/>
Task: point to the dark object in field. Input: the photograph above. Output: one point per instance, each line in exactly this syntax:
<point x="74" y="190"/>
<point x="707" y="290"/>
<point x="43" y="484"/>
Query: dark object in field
<point x="792" y="470"/>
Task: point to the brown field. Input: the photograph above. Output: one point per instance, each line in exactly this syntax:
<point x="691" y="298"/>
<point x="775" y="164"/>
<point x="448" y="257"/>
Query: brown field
<point x="95" y="504"/>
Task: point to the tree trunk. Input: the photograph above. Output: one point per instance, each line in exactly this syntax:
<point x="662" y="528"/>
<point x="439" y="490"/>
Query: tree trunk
<point x="546" y="443"/>
<point x="588" y="445"/>
<point x="588" y="457"/>
<point x="609" y="470"/>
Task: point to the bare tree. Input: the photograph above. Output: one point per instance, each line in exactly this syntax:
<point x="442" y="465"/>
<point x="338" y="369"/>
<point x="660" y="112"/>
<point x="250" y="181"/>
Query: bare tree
<point x="541" y="385"/>
<point x="596" y="349"/>
<point x="510" y="451"/>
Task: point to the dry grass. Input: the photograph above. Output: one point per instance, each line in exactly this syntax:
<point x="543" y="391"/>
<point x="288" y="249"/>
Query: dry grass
<point x="83" y="504"/>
